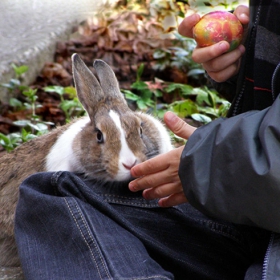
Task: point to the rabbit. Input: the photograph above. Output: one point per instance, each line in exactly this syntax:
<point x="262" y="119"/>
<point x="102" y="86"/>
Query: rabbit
<point x="104" y="145"/>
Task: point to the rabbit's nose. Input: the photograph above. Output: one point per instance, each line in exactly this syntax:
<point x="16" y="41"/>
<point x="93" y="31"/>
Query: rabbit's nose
<point x="128" y="165"/>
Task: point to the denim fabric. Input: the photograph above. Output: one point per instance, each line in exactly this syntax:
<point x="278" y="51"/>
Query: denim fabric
<point x="68" y="228"/>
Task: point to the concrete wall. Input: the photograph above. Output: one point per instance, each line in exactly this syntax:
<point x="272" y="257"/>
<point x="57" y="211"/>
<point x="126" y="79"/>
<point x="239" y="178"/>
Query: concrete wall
<point x="29" y="30"/>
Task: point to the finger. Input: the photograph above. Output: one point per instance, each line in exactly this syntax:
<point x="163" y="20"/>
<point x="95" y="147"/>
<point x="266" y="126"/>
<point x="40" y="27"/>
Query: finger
<point x="150" y="181"/>
<point x="186" y="26"/>
<point x="225" y="74"/>
<point x="152" y="165"/>
<point x="157" y="164"/>
<point x="178" y="126"/>
<point x="225" y="67"/>
<point x="173" y="200"/>
<point x="242" y="13"/>
<point x="225" y="60"/>
<point x="202" y="55"/>
<point x="163" y="191"/>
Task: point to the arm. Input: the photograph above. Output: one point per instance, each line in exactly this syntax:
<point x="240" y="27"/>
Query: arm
<point x="158" y="177"/>
<point x="221" y="66"/>
<point x="230" y="168"/>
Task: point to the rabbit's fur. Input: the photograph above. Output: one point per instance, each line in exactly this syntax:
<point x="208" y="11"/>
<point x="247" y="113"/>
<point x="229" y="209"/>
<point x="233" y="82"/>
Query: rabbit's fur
<point x="104" y="145"/>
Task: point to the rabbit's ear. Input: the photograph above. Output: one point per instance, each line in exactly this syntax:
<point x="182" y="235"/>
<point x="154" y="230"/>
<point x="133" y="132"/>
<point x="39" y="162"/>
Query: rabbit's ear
<point x="107" y="79"/>
<point x="88" y="88"/>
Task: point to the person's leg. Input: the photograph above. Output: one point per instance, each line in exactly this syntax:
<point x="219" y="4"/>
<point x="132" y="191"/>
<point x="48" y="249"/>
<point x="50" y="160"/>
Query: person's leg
<point x="69" y="229"/>
<point x="64" y="237"/>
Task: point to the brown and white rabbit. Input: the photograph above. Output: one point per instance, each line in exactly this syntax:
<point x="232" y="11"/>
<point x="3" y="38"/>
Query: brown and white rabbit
<point x="105" y="145"/>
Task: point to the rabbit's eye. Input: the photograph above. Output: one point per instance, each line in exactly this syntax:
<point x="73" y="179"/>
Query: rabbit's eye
<point x="140" y="131"/>
<point x="99" y="136"/>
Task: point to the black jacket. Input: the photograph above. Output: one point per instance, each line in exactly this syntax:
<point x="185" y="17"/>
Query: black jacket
<point x="230" y="168"/>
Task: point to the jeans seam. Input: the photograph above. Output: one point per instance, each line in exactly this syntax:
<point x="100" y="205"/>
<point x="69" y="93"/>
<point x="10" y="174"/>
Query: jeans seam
<point x="212" y="227"/>
<point x="150" y="277"/>
<point x="83" y="236"/>
<point x="129" y="201"/>
<point x="125" y="197"/>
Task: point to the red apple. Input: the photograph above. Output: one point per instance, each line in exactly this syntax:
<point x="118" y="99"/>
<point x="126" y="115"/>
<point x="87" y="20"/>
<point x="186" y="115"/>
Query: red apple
<point x="218" y="26"/>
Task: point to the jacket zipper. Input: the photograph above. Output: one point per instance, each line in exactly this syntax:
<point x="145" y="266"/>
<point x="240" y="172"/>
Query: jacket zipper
<point x="266" y="257"/>
<point x="254" y="30"/>
<point x="273" y="87"/>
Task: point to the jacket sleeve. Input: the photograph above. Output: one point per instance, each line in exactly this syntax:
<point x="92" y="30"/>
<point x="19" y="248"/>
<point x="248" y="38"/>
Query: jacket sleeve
<point x="230" y="168"/>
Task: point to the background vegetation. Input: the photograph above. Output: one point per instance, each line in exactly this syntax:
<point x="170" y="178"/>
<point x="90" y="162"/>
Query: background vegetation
<point x="139" y="39"/>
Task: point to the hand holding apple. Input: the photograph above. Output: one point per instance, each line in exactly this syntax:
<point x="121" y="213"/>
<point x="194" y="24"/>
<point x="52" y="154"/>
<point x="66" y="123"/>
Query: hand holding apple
<point x="218" y="26"/>
<point x="216" y="59"/>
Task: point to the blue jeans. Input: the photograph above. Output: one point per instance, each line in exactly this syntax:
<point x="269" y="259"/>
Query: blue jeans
<point x="68" y="228"/>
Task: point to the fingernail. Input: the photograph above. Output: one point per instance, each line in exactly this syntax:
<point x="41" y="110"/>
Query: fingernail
<point x="131" y="186"/>
<point x="244" y="17"/>
<point x="170" y="117"/>
<point x="194" y="17"/>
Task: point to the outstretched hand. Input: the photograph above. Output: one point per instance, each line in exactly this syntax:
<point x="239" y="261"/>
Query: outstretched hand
<point x="158" y="177"/>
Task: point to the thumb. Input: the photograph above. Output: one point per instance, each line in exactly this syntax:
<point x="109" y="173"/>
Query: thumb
<point x="178" y="126"/>
<point x="186" y="26"/>
<point x="242" y="13"/>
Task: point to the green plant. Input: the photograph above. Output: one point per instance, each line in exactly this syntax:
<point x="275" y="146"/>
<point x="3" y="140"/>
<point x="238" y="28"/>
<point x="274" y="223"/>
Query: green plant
<point x="201" y="104"/>
<point x="10" y="141"/>
<point x="202" y="6"/>
<point x="31" y="98"/>
<point x="28" y="129"/>
<point x="146" y="96"/>
<point x="16" y="83"/>
<point x="180" y="56"/>
<point x="32" y="126"/>
<point x="72" y="107"/>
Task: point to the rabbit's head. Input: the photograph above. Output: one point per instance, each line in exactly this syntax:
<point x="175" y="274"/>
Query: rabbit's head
<point x="107" y="144"/>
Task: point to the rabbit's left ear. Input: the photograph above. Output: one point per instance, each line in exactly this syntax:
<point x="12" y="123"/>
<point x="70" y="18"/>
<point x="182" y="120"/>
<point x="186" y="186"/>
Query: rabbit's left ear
<point x="108" y="80"/>
<point x="88" y="88"/>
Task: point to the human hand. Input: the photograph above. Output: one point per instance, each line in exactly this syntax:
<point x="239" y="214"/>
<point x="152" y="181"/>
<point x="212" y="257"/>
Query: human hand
<point x="158" y="177"/>
<point x="216" y="60"/>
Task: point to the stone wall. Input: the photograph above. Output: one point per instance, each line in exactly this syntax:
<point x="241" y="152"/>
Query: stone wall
<point x="29" y="30"/>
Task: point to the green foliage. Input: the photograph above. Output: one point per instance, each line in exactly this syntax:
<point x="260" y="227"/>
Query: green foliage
<point x="144" y="99"/>
<point x="71" y="108"/>
<point x="16" y="104"/>
<point x="12" y="140"/>
<point x="204" y="106"/>
<point x="33" y="126"/>
<point x="202" y="6"/>
<point x="9" y="142"/>
<point x="29" y="129"/>
<point x="146" y="96"/>
<point x="200" y="103"/>
<point x="179" y="56"/>
<point x="16" y="84"/>
<point x="20" y="70"/>
<point x="31" y="98"/>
